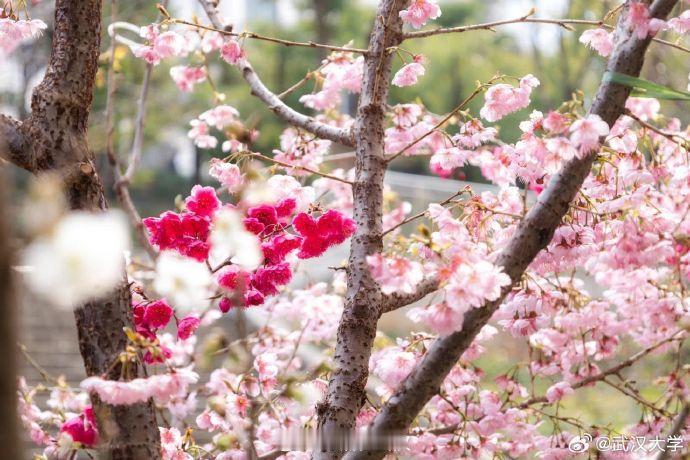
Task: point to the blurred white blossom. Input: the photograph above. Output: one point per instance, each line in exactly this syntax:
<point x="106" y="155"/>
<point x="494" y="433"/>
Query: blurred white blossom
<point x="81" y="259"/>
<point x="184" y="282"/>
<point x="231" y="240"/>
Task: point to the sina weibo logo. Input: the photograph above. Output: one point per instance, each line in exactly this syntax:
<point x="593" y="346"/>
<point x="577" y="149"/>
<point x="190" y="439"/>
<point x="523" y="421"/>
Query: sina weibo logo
<point x="580" y="444"/>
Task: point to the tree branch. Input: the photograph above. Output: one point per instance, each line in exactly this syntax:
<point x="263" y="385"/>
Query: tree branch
<point x="15" y="146"/>
<point x="280" y="41"/>
<point x="532" y="235"/>
<point x="122" y="181"/>
<point x="397" y="300"/>
<point x="678" y="426"/>
<point x="273" y="102"/>
<point x="527" y="19"/>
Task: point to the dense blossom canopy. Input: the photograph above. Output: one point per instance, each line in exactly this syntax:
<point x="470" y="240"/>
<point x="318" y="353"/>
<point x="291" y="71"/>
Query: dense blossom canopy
<point x="609" y="288"/>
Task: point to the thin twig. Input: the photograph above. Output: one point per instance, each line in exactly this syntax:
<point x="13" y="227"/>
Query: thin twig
<point x="302" y="168"/>
<point x="122" y="181"/>
<point x="280" y="41"/>
<point x="613" y="370"/>
<point x="300" y="83"/>
<point x="47" y="376"/>
<point x="670" y="136"/>
<point x="565" y="23"/>
<point x="421" y="214"/>
<point x="444" y="120"/>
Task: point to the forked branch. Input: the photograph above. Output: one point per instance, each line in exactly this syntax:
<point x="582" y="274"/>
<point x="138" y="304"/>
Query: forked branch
<point x="533" y="234"/>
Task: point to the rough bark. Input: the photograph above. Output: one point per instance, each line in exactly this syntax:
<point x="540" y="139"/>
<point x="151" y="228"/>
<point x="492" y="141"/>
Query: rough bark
<point x="54" y="139"/>
<point x="531" y="236"/>
<point x="364" y="300"/>
<point x="9" y="428"/>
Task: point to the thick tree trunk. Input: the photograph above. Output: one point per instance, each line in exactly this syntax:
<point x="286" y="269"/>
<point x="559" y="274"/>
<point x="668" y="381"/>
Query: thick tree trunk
<point x="54" y="139"/>
<point x="364" y="299"/>
<point x="9" y="431"/>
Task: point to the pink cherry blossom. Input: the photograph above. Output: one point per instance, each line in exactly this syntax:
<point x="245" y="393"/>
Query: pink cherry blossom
<point x="586" y="133"/>
<point x="300" y="150"/>
<point x="419" y="12"/>
<point x="472" y="134"/>
<point x="681" y="24"/>
<point x="232" y="52"/>
<point x="503" y="99"/>
<point x="640" y="20"/>
<point x="392" y="365"/>
<point x="558" y="391"/>
<point x="395" y="274"/>
<point x="202" y="201"/>
<point x="405" y="115"/>
<point x="187" y="326"/>
<point x="340" y="71"/>
<point x="211" y="41"/>
<point x="409" y="73"/>
<point x="82" y="428"/>
<point x="599" y="40"/>
<point x="473" y="284"/>
<point x="319" y="234"/>
<point x="555" y="122"/>
<point x="228" y="174"/>
<point x="186" y="77"/>
<point x="15" y="32"/>
<point x="200" y="133"/>
<point x="161" y="387"/>
<point x="645" y="108"/>
<point x="220" y="116"/>
<point x="160" y="45"/>
<point x="444" y="161"/>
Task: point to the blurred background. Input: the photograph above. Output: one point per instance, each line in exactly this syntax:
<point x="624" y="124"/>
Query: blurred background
<point x="171" y="164"/>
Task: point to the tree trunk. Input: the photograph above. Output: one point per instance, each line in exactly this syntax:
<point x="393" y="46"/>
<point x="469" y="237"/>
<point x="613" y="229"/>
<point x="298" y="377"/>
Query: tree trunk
<point x="54" y="139"/>
<point x="364" y="299"/>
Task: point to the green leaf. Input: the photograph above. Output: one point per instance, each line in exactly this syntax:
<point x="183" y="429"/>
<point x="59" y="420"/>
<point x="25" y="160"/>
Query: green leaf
<point x="646" y="88"/>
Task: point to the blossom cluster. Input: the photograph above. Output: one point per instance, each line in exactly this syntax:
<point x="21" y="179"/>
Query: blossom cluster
<point x="14" y="32"/>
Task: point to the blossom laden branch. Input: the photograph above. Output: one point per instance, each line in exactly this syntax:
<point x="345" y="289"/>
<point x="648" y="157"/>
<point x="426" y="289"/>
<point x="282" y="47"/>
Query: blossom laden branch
<point x="532" y="234"/>
<point x="528" y="19"/>
<point x="277" y="106"/>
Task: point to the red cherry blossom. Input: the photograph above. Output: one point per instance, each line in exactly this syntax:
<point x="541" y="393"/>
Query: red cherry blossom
<point x="82" y="428"/>
<point x="187" y="326"/>
<point x="320" y="234"/>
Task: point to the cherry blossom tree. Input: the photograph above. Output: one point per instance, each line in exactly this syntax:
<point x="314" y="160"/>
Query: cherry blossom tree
<point x="595" y="192"/>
